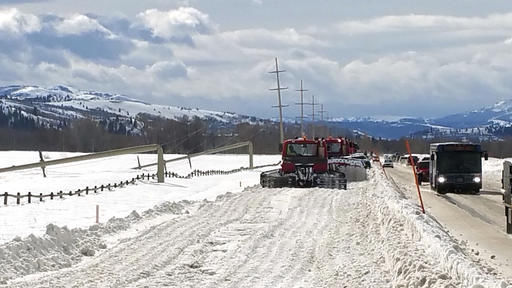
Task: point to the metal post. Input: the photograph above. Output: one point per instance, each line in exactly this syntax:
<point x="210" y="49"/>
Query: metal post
<point x="251" y="152"/>
<point x="160" y="171"/>
<point x="43" y="167"/>
<point x="507" y="196"/>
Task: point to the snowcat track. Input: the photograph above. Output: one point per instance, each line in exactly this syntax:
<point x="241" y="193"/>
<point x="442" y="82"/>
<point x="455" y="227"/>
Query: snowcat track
<point x="272" y="179"/>
<point x="332" y="181"/>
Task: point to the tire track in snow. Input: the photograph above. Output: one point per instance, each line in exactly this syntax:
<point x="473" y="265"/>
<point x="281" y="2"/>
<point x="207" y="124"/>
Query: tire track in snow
<point x="267" y="238"/>
<point x="122" y="265"/>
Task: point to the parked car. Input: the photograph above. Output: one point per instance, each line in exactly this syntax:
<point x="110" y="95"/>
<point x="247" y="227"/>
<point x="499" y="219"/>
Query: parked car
<point x="366" y="162"/>
<point x="387" y="163"/>
<point x="422" y="171"/>
<point x="415" y="159"/>
<point x="404" y="159"/>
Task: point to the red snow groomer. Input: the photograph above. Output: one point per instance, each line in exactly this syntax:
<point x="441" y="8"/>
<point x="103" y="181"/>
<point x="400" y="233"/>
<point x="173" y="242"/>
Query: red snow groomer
<point x="304" y="164"/>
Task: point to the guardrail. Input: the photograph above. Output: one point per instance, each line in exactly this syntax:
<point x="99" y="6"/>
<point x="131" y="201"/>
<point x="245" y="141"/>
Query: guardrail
<point x="111" y="153"/>
<point x="211" y="151"/>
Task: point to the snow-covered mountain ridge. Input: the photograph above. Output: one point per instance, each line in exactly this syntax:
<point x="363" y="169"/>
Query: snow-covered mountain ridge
<point x="50" y="107"/>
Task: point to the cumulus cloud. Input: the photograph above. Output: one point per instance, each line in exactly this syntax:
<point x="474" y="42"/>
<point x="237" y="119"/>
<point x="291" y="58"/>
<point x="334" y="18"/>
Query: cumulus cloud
<point x="425" y="22"/>
<point x="14" y="21"/>
<point x="176" y="23"/>
<point x="358" y="67"/>
<point x="79" y="24"/>
<point x="167" y="70"/>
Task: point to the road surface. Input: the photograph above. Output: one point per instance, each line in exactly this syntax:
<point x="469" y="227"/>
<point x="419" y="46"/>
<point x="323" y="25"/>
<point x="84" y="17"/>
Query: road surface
<point x="477" y="220"/>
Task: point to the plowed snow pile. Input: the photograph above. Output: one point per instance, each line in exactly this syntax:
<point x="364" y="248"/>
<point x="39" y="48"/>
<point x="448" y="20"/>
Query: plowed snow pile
<point x="367" y="236"/>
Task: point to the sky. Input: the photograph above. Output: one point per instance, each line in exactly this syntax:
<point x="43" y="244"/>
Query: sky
<point x="359" y="58"/>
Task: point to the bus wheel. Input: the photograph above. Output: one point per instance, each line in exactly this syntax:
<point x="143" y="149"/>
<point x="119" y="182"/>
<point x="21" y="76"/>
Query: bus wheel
<point x="441" y="190"/>
<point x="476" y="191"/>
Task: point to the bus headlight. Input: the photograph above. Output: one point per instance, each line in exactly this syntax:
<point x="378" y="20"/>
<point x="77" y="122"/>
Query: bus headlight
<point x="441" y="179"/>
<point x="477" y="179"/>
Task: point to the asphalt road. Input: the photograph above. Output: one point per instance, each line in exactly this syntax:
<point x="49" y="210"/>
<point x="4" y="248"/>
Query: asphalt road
<point x="477" y="220"/>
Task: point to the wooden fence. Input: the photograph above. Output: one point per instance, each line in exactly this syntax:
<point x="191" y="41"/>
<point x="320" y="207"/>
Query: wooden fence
<point x="60" y="194"/>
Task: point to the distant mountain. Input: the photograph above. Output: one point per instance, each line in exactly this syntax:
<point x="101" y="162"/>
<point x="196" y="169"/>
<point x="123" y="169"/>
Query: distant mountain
<point x="56" y="106"/>
<point x="23" y="106"/>
<point x="492" y="122"/>
<point x="499" y="113"/>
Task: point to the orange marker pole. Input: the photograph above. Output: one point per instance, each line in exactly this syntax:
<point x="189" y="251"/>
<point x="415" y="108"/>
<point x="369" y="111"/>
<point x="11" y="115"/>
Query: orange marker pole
<point x="413" y="166"/>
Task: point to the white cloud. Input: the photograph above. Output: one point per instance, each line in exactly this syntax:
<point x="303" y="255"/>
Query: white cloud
<point x="79" y="24"/>
<point x="175" y="23"/>
<point x="365" y="68"/>
<point x="168" y="70"/>
<point x="13" y="21"/>
<point x="398" y="23"/>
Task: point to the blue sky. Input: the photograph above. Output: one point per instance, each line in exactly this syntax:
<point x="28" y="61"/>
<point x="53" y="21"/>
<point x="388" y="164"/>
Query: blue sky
<point x="360" y="58"/>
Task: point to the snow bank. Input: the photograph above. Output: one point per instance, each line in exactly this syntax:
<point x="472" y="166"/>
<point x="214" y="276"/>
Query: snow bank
<point x="428" y="234"/>
<point x="61" y="247"/>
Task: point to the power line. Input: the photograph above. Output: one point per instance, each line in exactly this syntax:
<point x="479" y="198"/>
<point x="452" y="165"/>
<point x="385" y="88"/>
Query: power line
<point x="280" y="105"/>
<point x="301" y="103"/>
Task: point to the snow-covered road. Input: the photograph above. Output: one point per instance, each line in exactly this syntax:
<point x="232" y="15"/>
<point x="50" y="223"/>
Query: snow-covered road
<point x="367" y="236"/>
<point x="476" y="220"/>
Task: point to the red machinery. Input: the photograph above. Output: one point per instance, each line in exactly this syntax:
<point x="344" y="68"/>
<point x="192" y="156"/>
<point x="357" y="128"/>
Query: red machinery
<point x="304" y="164"/>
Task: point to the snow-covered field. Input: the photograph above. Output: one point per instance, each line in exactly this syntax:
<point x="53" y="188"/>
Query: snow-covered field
<point x="366" y="236"/>
<point x="81" y="211"/>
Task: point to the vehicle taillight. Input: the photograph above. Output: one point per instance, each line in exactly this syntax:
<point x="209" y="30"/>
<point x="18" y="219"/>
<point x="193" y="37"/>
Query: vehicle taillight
<point x="320" y="167"/>
<point x="288" y="167"/>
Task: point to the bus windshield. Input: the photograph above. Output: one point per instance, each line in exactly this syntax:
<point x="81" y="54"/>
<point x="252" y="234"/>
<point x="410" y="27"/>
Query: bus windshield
<point x="301" y="149"/>
<point x="459" y="162"/>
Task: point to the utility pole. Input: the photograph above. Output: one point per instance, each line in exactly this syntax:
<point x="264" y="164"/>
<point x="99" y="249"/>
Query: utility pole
<point x="322" y="112"/>
<point x="301" y="103"/>
<point x="313" y="104"/>
<point x="280" y="106"/>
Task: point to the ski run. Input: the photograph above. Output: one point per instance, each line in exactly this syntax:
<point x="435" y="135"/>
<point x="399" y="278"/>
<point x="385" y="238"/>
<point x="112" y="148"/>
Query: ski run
<point x="212" y="232"/>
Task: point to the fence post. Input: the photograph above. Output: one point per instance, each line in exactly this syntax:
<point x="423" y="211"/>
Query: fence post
<point x="5" y="198"/>
<point x="95" y="189"/>
<point x="87" y="190"/>
<point x="78" y="192"/>
<point x="60" y="194"/>
<point x="18" y="198"/>
<point x="101" y="187"/>
<point x="70" y="193"/>
<point x="40" y="197"/>
<point x="29" y="197"/>
<point x="51" y="196"/>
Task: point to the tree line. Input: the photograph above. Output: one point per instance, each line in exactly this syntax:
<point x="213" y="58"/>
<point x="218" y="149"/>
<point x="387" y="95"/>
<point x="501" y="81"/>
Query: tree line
<point x="181" y="136"/>
<point x="498" y="149"/>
